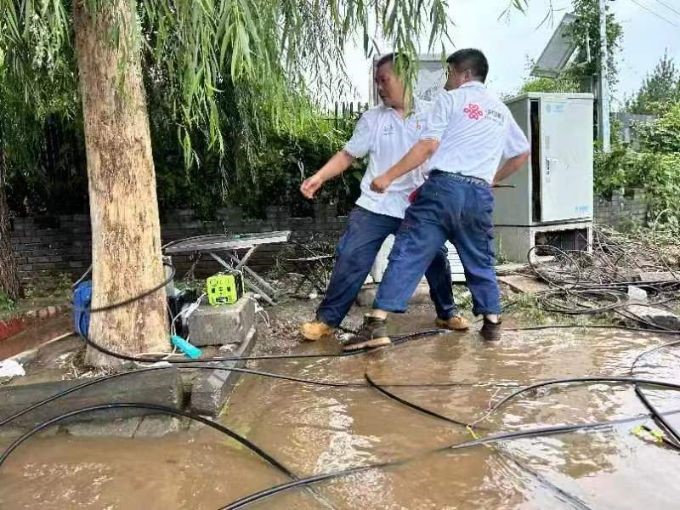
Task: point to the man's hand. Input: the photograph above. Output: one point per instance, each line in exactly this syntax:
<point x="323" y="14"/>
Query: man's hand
<point x="311" y="185"/>
<point x="380" y="184"/>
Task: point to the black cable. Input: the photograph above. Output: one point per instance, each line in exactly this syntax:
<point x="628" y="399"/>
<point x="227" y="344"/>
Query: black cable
<point x="397" y="340"/>
<point x="595" y="326"/>
<point x="131" y="300"/>
<point x="583" y="380"/>
<point x="73" y="389"/>
<point x="575" y="501"/>
<point x="537" y="432"/>
<point x="651" y="351"/>
<point x="659" y="419"/>
<point x="154" y="407"/>
<point x="250" y="371"/>
<point x="412" y="405"/>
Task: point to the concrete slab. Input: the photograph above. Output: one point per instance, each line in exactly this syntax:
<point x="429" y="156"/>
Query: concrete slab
<point x="524" y="284"/>
<point x="159" y="426"/>
<point x="162" y="387"/>
<point x="121" y="427"/>
<point x="657" y="276"/>
<point x="658" y="316"/>
<point x="211" y="388"/>
<point x="218" y="325"/>
<point x="509" y="268"/>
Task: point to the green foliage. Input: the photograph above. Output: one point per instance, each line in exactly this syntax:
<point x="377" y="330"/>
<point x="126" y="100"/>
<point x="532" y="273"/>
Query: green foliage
<point x="41" y="140"/>
<point x="227" y="85"/>
<point x="560" y="84"/>
<point x="6" y="304"/>
<point x="199" y="50"/>
<point x="656" y="173"/>
<point x="585" y="32"/>
<point x="662" y="135"/>
<point x="612" y="171"/>
<point x="659" y="91"/>
<point x="54" y="285"/>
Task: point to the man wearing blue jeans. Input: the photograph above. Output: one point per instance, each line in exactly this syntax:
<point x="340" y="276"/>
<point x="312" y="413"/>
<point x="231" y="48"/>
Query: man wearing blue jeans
<point x="469" y="133"/>
<point x="384" y="134"/>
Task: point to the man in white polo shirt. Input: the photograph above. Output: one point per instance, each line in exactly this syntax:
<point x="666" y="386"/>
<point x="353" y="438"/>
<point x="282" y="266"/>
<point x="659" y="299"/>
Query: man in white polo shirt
<point x="384" y="134"/>
<point x="473" y="142"/>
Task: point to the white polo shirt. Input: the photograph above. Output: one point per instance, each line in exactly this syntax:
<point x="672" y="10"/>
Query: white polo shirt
<point x="386" y="137"/>
<point x="475" y="130"/>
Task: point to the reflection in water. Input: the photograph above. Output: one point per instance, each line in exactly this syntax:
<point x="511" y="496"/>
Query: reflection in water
<point x="317" y="429"/>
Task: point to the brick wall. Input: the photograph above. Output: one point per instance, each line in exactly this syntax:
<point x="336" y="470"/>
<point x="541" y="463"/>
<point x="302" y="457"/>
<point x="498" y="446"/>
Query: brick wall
<point x="61" y="244"/>
<point x="47" y="245"/>
<point x="621" y="210"/>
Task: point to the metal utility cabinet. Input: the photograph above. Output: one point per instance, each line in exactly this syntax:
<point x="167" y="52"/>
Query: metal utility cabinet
<point x="552" y="198"/>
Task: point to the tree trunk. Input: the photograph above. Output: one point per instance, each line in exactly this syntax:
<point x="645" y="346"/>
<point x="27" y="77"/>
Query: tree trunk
<point x="9" y="274"/>
<point x="126" y="253"/>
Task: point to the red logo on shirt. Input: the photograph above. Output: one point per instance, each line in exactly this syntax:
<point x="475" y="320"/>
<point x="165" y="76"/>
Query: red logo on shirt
<point x="474" y="112"/>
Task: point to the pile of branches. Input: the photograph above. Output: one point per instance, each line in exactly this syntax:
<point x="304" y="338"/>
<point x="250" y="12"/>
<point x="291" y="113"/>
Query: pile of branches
<point x="618" y="270"/>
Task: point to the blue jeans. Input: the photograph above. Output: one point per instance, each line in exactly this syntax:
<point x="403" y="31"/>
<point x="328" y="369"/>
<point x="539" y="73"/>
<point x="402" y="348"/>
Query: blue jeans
<point x="449" y="206"/>
<point x="355" y="255"/>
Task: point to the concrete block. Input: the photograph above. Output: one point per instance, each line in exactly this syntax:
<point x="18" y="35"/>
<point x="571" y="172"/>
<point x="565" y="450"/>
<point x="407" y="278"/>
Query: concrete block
<point x="524" y="284"/>
<point x="637" y="294"/>
<point x="218" y="325"/>
<point x="158" y="426"/>
<point x="121" y="427"/>
<point x="163" y="387"/>
<point x="657" y="276"/>
<point x="211" y="388"/>
<point x="657" y="316"/>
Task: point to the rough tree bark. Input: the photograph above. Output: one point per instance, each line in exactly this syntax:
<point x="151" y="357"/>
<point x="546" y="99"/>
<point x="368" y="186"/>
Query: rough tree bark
<point x="9" y="274"/>
<point x="126" y="251"/>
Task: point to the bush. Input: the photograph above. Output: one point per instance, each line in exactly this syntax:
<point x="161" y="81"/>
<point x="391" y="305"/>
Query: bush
<point x="662" y="135"/>
<point x="658" y="174"/>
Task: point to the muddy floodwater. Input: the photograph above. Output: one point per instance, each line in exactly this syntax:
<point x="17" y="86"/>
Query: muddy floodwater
<point x="314" y="430"/>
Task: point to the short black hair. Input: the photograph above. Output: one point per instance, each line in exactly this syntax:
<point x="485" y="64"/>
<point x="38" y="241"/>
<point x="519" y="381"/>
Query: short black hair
<point x="392" y="58"/>
<point x="471" y="59"/>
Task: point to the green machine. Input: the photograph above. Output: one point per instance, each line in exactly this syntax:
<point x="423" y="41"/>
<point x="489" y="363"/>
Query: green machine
<point x="224" y="289"/>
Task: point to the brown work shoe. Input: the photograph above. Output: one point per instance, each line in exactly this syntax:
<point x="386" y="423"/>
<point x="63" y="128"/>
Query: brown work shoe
<point x="315" y="330"/>
<point x="456" y="323"/>
<point x="373" y="333"/>
<point x="491" y="331"/>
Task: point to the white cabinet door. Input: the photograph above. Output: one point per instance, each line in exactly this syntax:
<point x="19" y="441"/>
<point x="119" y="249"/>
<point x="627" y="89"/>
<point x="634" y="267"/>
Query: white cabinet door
<point x="566" y="159"/>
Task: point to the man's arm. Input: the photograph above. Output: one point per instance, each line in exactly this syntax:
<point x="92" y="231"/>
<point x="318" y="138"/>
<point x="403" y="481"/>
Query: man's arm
<point x="358" y="146"/>
<point x="335" y="166"/>
<point x="418" y="155"/>
<point x="437" y="122"/>
<point x="510" y="167"/>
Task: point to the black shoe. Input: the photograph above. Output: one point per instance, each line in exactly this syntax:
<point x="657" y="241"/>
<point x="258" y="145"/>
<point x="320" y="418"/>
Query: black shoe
<point x="491" y="331"/>
<point x="373" y="333"/>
